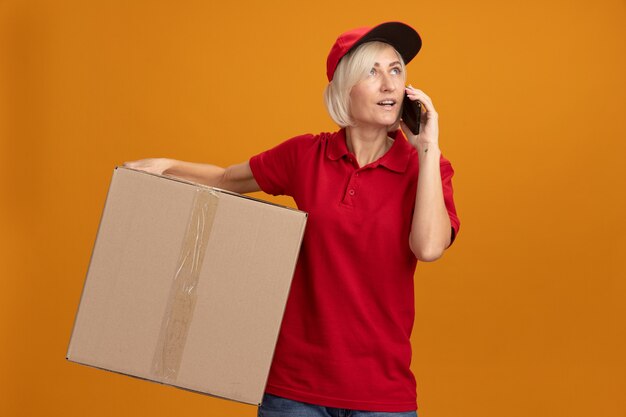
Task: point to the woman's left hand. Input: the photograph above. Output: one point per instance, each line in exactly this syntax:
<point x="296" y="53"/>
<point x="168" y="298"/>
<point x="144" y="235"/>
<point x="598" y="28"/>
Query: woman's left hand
<point x="429" y="122"/>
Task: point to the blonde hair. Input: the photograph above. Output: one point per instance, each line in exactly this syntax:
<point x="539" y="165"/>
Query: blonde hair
<point x="352" y="68"/>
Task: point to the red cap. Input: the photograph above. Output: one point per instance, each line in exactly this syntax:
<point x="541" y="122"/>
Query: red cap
<point x="401" y="36"/>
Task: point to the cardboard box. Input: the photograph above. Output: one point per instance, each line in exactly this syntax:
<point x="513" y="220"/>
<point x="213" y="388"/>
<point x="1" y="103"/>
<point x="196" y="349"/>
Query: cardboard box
<point x="187" y="286"/>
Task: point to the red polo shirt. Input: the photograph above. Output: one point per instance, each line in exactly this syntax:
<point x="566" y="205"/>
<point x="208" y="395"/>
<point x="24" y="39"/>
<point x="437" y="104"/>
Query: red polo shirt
<point x="344" y="340"/>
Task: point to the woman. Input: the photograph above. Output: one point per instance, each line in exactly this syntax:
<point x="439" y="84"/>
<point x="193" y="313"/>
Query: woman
<point x="344" y="345"/>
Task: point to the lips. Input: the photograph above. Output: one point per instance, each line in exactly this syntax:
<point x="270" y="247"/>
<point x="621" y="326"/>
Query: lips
<point x="387" y="103"/>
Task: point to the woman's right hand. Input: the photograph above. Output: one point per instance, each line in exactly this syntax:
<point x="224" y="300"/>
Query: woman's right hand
<point x="157" y="166"/>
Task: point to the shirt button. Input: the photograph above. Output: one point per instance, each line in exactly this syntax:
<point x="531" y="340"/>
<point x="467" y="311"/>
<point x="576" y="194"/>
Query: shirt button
<point x="351" y="192"/>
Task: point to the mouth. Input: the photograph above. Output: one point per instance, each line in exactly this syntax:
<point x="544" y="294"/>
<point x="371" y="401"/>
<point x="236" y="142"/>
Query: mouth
<point x="387" y="103"/>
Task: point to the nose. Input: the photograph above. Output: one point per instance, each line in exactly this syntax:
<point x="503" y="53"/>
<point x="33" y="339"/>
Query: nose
<point x="387" y="83"/>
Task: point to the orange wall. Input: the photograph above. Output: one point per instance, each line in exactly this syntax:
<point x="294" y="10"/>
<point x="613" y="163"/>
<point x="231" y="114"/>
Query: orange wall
<point x="524" y="315"/>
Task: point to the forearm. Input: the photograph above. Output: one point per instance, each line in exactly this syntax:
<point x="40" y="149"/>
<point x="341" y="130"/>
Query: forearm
<point x="430" y="228"/>
<point x="207" y="174"/>
<point x="237" y="178"/>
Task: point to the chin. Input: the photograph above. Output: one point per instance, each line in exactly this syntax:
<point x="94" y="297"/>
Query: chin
<point x="389" y="123"/>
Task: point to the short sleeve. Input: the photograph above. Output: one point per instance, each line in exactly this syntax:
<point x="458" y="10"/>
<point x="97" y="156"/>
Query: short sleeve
<point x="446" y="181"/>
<point x="274" y="170"/>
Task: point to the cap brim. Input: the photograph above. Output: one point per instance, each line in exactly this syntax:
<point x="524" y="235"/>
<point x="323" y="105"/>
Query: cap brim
<point x="401" y="36"/>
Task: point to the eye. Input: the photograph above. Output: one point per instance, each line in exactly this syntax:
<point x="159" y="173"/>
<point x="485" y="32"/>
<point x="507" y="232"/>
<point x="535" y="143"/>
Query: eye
<point x="396" y="71"/>
<point x="372" y="71"/>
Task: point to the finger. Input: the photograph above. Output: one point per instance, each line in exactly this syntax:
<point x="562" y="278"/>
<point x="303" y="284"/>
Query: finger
<point x="133" y="164"/>
<point x="426" y="103"/>
<point x="141" y="165"/>
<point x="418" y="91"/>
<point x="417" y="94"/>
<point x="418" y="98"/>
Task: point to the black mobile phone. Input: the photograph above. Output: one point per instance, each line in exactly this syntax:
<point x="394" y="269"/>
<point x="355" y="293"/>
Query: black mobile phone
<point x="411" y="114"/>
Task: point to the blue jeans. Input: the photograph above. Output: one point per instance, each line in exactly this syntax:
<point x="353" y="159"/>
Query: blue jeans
<point x="274" y="406"/>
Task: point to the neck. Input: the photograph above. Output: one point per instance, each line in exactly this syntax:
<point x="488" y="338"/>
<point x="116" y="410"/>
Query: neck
<point x="367" y="145"/>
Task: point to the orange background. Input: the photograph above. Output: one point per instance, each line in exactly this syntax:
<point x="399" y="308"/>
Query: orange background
<point x="523" y="316"/>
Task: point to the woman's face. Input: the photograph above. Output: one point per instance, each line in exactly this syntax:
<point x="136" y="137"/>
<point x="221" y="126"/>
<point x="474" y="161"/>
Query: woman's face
<point x="376" y="100"/>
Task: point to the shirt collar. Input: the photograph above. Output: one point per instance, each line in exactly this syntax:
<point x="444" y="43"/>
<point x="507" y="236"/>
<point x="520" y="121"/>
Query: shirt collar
<point x="396" y="158"/>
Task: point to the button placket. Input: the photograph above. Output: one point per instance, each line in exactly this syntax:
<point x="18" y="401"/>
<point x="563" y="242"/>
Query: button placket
<point x="351" y="189"/>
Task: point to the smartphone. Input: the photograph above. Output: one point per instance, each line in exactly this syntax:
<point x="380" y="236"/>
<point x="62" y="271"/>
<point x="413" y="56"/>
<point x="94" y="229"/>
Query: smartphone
<point x="411" y="114"/>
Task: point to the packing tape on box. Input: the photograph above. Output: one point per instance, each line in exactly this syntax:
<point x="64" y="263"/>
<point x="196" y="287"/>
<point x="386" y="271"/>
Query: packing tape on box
<point x="182" y="297"/>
